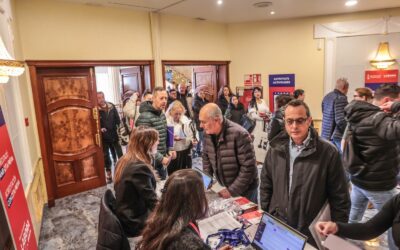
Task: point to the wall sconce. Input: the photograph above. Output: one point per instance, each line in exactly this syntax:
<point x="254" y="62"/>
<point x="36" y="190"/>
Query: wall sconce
<point x="383" y="59"/>
<point x="8" y="65"/>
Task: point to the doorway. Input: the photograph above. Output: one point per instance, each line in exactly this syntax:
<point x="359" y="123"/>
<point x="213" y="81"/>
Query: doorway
<point x="212" y="74"/>
<point x="65" y="98"/>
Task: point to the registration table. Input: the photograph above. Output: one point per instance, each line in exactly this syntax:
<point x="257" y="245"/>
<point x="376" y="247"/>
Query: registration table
<point x="223" y="216"/>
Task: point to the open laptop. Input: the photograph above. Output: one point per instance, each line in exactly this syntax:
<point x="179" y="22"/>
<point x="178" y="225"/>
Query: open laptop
<point x="273" y="234"/>
<point x="207" y="180"/>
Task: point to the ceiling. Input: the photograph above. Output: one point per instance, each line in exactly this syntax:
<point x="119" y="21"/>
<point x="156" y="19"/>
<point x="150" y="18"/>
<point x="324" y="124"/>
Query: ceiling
<point x="234" y="11"/>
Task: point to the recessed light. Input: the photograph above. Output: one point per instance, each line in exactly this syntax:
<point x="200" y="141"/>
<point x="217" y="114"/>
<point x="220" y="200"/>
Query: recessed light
<point x="219" y="2"/>
<point x="272" y="12"/>
<point x="351" y="3"/>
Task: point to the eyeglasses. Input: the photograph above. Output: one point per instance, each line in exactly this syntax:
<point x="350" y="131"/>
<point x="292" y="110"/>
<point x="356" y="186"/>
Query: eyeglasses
<point x="298" y="121"/>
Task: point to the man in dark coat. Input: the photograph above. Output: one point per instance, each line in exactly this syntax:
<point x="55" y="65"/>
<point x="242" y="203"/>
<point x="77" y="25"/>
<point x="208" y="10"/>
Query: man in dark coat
<point x="301" y="172"/>
<point x="152" y="115"/>
<point x="198" y="102"/>
<point x="376" y="135"/>
<point x="184" y="97"/>
<point x="333" y="122"/>
<point x="109" y="122"/>
<point x="228" y="154"/>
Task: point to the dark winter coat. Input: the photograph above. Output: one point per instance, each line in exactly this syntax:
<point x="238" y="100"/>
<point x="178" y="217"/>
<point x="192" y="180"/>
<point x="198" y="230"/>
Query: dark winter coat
<point x="153" y="118"/>
<point x="276" y="125"/>
<point x="376" y="135"/>
<point x="318" y="176"/>
<point x="135" y="197"/>
<point x="111" y="235"/>
<point x="198" y="103"/>
<point x="333" y="122"/>
<point x="235" y="113"/>
<point x="222" y="103"/>
<point x="232" y="161"/>
<point x="109" y="119"/>
<point x="188" y="239"/>
<point x="183" y="100"/>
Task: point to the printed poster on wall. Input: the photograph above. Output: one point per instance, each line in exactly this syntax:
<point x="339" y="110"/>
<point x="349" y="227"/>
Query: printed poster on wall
<point x="252" y="80"/>
<point x="375" y="78"/>
<point x="13" y="195"/>
<point x="280" y="84"/>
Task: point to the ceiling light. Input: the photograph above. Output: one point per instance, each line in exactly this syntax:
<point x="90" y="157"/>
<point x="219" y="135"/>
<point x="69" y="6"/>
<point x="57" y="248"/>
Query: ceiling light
<point x="272" y="12"/>
<point x="262" y="4"/>
<point x="383" y="59"/>
<point x="8" y="65"/>
<point x="351" y="3"/>
<point x="219" y="2"/>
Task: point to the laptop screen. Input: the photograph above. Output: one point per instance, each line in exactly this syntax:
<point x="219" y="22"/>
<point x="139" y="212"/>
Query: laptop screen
<point x="206" y="178"/>
<point x="272" y="234"/>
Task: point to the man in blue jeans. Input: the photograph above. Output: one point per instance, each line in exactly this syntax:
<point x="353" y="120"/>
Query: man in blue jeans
<point x="376" y="134"/>
<point x="333" y="122"/>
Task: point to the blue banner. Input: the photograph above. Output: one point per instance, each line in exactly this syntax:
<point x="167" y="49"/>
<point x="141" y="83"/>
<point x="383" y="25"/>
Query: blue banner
<point x="282" y="80"/>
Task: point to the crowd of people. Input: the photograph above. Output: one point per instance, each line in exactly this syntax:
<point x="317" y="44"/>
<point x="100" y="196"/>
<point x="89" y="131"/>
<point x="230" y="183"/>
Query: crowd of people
<point x="354" y="161"/>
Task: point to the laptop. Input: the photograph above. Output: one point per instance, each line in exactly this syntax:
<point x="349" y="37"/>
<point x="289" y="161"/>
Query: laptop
<point x="207" y="180"/>
<point x="273" y="234"/>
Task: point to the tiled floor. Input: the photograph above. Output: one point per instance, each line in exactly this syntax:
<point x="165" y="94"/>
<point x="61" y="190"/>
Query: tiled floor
<point x="72" y="223"/>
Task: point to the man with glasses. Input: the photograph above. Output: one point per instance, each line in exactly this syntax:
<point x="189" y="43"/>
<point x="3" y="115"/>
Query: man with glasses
<point x="301" y="172"/>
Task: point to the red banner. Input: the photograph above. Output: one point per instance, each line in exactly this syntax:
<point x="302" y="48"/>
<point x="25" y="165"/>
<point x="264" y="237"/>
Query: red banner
<point x="13" y="195"/>
<point x="275" y="91"/>
<point x="246" y="98"/>
<point x="382" y="76"/>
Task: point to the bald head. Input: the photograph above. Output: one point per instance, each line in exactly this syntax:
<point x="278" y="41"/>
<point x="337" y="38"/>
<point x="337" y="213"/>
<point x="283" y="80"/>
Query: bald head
<point x="211" y="110"/>
<point x="211" y="119"/>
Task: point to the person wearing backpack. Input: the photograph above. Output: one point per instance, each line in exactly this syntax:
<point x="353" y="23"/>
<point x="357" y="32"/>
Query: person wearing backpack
<point x="375" y="145"/>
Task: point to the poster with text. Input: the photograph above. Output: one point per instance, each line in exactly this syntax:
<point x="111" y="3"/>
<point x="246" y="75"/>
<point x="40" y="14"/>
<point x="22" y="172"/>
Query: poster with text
<point x="252" y="80"/>
<point x="280" y="84"/>
<point x="13" y="195"/>
<point x="375" y="78"/>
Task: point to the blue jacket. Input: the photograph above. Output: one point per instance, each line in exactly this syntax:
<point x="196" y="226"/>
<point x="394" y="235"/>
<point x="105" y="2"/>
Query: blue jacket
<point x="333" y="122"/>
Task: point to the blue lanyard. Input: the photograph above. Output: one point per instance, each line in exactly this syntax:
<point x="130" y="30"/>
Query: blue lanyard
<point x="233" y="237"/>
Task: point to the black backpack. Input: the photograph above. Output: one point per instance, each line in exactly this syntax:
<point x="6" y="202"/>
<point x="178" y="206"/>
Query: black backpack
<point x="351" y="156"/>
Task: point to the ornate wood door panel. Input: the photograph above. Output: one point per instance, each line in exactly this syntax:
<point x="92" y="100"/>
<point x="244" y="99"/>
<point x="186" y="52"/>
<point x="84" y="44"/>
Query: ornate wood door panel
<point x="206" y="75"/>
<point x="74" y="155"/>
<point x="131" y="79"/>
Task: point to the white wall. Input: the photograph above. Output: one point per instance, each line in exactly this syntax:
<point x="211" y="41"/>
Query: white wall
<point x="354" y="53"/>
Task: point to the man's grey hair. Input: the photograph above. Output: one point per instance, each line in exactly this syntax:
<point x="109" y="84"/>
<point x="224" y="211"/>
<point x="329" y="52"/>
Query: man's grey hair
<point x="214" y="111"/>
<point x="342" y="83"/>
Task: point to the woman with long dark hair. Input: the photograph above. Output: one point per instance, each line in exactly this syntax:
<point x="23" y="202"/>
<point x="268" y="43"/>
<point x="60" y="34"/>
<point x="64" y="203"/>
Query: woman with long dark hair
<point x="224" y="97"/>
<point x="173" y="225"/>
<point x="258" y="110"/>
<point x="235" y="110"/>
<point x="135" y="181"/>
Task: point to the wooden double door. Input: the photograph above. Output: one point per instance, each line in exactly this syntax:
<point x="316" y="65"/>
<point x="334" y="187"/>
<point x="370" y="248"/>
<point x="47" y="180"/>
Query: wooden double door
<point x="68" y="123"/>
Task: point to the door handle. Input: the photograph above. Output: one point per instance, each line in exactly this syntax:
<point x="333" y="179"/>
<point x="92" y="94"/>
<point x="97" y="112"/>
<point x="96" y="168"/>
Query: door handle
<point x="98" y="143"/>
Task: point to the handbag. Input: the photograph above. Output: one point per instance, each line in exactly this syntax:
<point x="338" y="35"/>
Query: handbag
<point x="351" y="159"/>
<point x="247" y="123"/>
<point x="123" y="133"/>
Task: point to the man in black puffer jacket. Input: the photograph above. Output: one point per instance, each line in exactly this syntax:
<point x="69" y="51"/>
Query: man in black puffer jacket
<point x="376" y="136"/>
<point x="228" y="154"/>
<point x="152" y="115"/>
